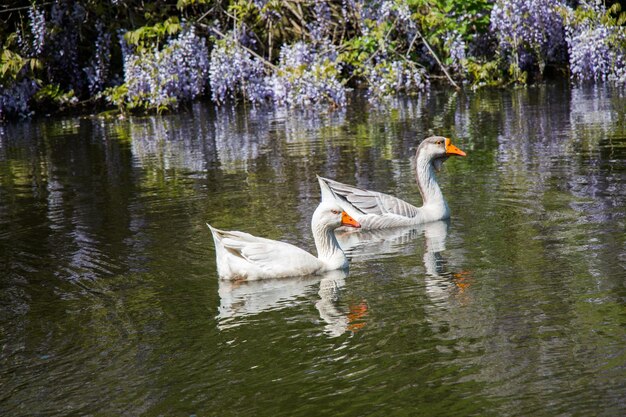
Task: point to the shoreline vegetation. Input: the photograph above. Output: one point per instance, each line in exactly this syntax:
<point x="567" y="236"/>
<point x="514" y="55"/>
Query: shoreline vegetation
<point x="132" y="56"/>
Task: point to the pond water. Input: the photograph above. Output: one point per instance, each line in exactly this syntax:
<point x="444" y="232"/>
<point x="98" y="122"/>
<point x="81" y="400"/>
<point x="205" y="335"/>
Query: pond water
<point x="110" y="303"/>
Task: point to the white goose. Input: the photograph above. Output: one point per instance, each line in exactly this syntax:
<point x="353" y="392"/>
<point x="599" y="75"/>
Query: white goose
<point x="374" y="210"/>
<point x="240" y="255"/>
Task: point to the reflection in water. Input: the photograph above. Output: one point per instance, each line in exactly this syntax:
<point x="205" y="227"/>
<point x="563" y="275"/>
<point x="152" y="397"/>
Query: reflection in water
<point x="240" y="299"/>
<point x="105" y="265"/>
<point x="232" y="138"/>
<point x="337" y="322"/>
<point x="441" y="285"/>
<point x="366" y="245"/>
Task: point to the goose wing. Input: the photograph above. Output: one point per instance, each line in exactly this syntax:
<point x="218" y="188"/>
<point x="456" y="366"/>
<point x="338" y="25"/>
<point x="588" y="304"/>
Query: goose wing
<point x="365" y="201"/>
<point x="250" y="256"/>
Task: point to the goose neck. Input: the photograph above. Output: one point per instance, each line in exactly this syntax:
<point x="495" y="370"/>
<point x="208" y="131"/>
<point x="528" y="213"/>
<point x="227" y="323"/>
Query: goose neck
<point x="328" y="249"/>
<point x="427" y="181"/>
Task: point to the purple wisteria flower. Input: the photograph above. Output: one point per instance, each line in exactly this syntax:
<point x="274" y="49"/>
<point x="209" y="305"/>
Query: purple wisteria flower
<point x="457" y="48"/>
<point x="320" y="27"/>
<point x="62" y="45"/>
<point x="529" y="31"/>
<point x="388" y="78"/>
<point x="163" y="78"/>
<point x="234" y="73"/>
<point x="308" y="75"/>
<point x="15" y="99"/>
<point x="98" y="70"/>
<point x="38" y="30"/>
<point x="597" y="51"/>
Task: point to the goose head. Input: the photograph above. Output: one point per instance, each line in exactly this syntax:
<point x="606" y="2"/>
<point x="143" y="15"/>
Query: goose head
<point x="436" y="149"/>
<point x="330" y="216"/>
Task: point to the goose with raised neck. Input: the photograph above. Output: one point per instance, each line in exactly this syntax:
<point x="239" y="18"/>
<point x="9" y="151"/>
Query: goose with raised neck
<point x="242" y="256"/>
<point x="376" y="210"/>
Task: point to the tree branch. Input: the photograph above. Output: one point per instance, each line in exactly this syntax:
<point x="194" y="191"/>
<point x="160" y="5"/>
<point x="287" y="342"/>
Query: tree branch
<point x="263" y="60"/>
<point x="418" y="33"/>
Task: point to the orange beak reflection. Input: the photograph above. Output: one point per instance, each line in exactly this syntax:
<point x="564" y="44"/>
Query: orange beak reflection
<point x="357" y="316"/>
<point x="346" y="220"/>
<point x="453" y="150"/>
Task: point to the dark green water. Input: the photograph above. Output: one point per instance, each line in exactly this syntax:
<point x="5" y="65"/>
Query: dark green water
<point x="110" y="303"/>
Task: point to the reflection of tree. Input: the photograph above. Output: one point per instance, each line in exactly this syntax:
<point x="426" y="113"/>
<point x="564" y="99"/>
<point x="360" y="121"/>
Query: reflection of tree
<point x="103" y="248"/>
<point x="542" y="244"/>
<point x="69" y="225"/>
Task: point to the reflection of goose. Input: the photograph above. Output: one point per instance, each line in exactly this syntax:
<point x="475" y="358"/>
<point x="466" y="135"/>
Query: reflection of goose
<point x="382" y="243"/>
<point x="441" y="284"/>
<point x="245" y="298"/>
<point x="243" y="256"/>
<point x="438" y="284"/>
<point x="336" y="321"/>
<point x="239" y="299"/>
<point x="374" y="210"/>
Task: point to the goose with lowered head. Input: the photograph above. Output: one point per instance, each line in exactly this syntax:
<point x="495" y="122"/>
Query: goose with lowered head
<point x="243" y="256"/>
<point x="375" y="210"/>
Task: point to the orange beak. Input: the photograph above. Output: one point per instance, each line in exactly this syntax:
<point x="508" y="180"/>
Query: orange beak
<point x="346" y="220"/>
<point x="453" y="150"/>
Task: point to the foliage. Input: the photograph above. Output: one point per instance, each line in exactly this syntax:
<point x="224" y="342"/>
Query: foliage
<point x="149" y="36"/>
<point x="54" y="96"/>
<point x="596" y="41"/>
<point x="160" y="78"/>
<point x="293" y="52"/>
<point x="234" y="73"/>
<point x="387" y="78"/>
<point x="308" y="75"/>
<point x="530" y="34"/>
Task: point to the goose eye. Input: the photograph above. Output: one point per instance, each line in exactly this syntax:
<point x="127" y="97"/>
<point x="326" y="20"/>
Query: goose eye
<point x="438" y="142"/>
<point x="335" y="211"/>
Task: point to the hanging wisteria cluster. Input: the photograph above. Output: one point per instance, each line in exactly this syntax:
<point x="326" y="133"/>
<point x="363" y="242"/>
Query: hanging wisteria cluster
<point x="15" y="99"/>
<point x="597" y="52"/>
<point x="38" y="31"/>
<point x="387" y="79"/>
<point x="456" y="46"/>
<point x="308" y="75"/>
<point x="161" y="79"/>
<point x="98" y="70"/>
<point x="62" y="45"/>
<point x="16" y="94"/>
<point x="320" y="27"/>
<point x="234" y="73"/>
<point x="530" y="32"/>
